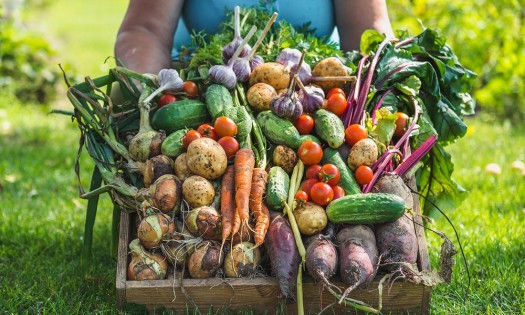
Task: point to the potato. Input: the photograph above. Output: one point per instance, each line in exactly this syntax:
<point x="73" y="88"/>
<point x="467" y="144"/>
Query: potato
<point x="259" y="96"/>
<point x="284" y="157"/>
<point x="364" y="152"/>
<point x="182" y="170"/>
<point x="330" y="67"/>
<point x="311" y="218"/>
<point x="198" y="191"/>
<point x="272" y="73"/>
<point x="206" y="157"/>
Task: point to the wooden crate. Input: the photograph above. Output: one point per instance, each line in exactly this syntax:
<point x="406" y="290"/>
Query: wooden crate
<point x="260" y="294"/>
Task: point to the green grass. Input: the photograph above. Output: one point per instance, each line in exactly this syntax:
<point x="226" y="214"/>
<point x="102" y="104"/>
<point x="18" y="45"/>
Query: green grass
<point x="42" y="217"/>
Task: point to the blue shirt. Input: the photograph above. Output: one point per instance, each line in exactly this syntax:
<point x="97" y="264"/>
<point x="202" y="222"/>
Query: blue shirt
<point x="206" y="15"/>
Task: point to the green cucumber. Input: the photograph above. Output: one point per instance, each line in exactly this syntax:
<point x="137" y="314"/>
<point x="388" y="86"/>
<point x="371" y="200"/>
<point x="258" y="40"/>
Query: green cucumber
<point x="310" y="137"/>
<point x="278" y="130"/>
<point x="172" y="146"/>
<point x="179" y="115"/>
<point x="368" y="208"/>
<point x="218" y="100"/>
<point x="329" y="128"/>
<point x="277" y="188"/>
<point x="347" y="180"/>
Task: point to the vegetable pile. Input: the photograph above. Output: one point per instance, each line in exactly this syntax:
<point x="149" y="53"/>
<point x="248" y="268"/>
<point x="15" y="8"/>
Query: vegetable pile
<point x="241" y="164"/>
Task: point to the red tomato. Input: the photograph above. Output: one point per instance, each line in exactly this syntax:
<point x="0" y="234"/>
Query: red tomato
<point x="208" y="131"/>
<point x="330" y="174"/>
<point x="310" y="152"/>
<point x="304" y="124"/>
<point x="321" y="193"/>
<point x="166" y="99"/>
<point x="190" y="136"/>
<point x="230" y="145"/>
<point x="225" y="126"/>
<point x="301" y="195"/>
<point x="338" y="192"/>
<point x="354" y="133"/>
<point x="191" y="89"/>
<point x="307" y="185"/>
<point x="337" y="104"/>
<point x="363" y="175"/>
<point x="335" y="90"/>
<point x="313" y="171"/>
<point x="401" y="124"/>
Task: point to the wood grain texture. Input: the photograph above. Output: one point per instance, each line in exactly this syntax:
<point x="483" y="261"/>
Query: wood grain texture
<point x="261" y="294"/>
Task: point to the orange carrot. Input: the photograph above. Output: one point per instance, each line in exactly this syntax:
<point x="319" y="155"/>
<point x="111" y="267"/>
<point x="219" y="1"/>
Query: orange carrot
<point x="236" y="223"/>
<point x="262" y="222"/>
<point x="227" y="202"/>
<point x="259" y="179"/>
<point x="244" y="163"/>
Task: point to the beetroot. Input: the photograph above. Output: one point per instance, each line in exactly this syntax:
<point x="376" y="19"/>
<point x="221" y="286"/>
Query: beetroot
<point x="321" y="259"/>
<point x="284" y="255"/>
<point x="397" y="245"/>
<point x="358" y="256"/>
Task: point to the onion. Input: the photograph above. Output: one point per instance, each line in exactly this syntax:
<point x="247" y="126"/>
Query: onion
<point x="165" y="194"/>
<point x="205" y="260"/>
<point x="204" y="222"/>
<point x="242" y="260"/>
<point x="155" y="228"/>
<point x="145" y="265"/>
<point x="175" y="248"/>
<point x="147" y="142"/>
<point x="155" y="167"/>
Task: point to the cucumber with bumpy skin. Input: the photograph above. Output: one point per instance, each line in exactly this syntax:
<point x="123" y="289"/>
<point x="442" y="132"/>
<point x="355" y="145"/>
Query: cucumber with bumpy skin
<point x="329" y="128"/>
<point x="368" y="208"/>
<point x="179" y="115"/>
<point x="277" y="188"/>
<point x="218" y="100"/>
<point x="278" y="130"/>
<point x="172" y="146"/>
<point x="347" y="180"/>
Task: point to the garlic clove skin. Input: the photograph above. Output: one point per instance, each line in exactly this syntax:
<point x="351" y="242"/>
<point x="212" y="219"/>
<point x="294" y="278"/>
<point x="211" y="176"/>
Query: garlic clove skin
<point x="241" y="68"/>
<point x="312" y="98"/>
<point x="256" y="61"/>
<point x="223" y="75"/>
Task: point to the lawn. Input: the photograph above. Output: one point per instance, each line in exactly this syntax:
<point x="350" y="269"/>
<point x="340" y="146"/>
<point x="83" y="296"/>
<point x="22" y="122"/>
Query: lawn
<point x="42" y="217"/>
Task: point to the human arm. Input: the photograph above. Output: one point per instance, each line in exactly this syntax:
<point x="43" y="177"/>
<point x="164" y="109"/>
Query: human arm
<point x="353" y="17"/>
<point x="145" y="37"/>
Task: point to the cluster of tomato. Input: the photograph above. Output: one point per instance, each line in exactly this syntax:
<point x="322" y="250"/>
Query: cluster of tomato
<point x="189" y="89"/>
<point x="320" y="185"/>
<point x="223" y="131"/>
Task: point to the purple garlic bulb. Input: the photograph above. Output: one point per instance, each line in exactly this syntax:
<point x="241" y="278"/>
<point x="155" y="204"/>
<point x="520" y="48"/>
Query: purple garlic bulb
<point x="311" y="98"/>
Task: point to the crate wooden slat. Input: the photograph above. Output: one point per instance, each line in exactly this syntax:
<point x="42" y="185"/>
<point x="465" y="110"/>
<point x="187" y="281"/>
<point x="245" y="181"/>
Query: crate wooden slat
<point x="261" y="294"/>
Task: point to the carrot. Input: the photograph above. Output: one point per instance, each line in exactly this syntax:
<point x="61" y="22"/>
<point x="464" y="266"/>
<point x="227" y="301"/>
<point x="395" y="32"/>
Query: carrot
<point x="236" y="223"/>
<point x="227" y="202"/>
<point x="259" y="179"/>
<point x="258" y="208"/>
<point x="244" y="163"/>
<point x="262" y="222"/>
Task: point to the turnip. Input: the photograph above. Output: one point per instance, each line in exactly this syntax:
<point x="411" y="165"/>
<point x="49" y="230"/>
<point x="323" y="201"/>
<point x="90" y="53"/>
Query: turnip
<point x="284" y="255"/>
<point x="358" y="256"/>
<point x="205" y="260"/>
<point x="242" y="260"/>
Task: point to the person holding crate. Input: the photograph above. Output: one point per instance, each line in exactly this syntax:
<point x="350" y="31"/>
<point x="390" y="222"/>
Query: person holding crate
<point x="151" y="31"/>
